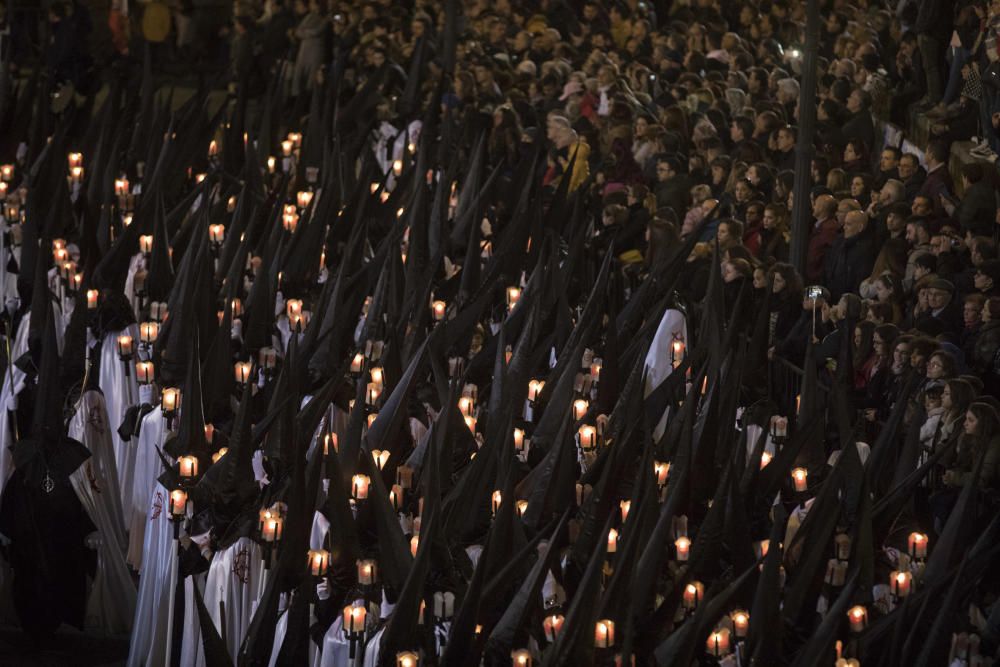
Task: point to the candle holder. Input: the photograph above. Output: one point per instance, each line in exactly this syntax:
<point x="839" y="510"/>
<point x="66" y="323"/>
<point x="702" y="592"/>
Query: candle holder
<point x="552" y="623"/>
<point x="170" y="402"/>
<point x="125" y="353"/>
<point x="354" y="625"/>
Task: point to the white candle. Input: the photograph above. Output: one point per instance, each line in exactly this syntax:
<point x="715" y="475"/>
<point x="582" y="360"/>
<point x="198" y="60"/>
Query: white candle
<point x="217" y="233"/>
<point x="612" y="541"/>
<point x="178" y="502"/>
<point x="580" y="408"/>
<point x="144" y="371"/>
<point x="683" y="546"/>
<point x="318" y="560"/>
<point x="187" y="467"/>
<point x="899" y="583"/>
<point x="800" y="478"/>
<point x="367" y="570"/>
<point x="439" y="309"/>
<point x="588" y="437"/>
<point x="242" y="371"/>
<point x="604" y="633"/>
<point x="858" y="618"/>
<point x="359" y="486"/>
<point x="917" y="544"/>
<point x="354" y="618"/>
<point x="718" y="643"/>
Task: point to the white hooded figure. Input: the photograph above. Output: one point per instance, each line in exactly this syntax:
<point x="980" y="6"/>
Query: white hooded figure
<point x="13" y="384"/>
<point x="667" y="350"/>
<point x="159" y="556"/>
<point x="147" y="467"/>
<point x="121" y="391"/>
<point x="111" y="601"/>
<point x="231" y="586"/>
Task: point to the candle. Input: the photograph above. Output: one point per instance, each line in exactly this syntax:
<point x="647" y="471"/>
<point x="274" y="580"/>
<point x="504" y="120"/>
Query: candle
<point x="125" y="347"/>
<point x="75" y="159"/>
<point x="522" y="507"/>
<point x="367" y="571"/>
<point x="604" y="633"/>
<point x="148" y="332"/>
<point x="917" y="545"/>
<point x="718" y="643"/>
<point x="470" y="422"/>
<point x="466" y="406"/>
<point x="444" y="604"/>
<point x="127" y="219"/>
<point x="595" y="368"/>
<point x="384" y="197"/>
<point x="3" y="190"/>
<point x="219" y="454"/>
<point x="683" y="546"/>
<point x="236" y="307"/>
<point x="552" y="624"/>
<point x="328" y="439"/>
<point x="798" y="402"/>
<point x="438" y="307"/>
<point x="303" y="198"/>
<point x="404" y="476"/>
<point x="290" y="221"/>
<point x="7" y="172"/>
<point x="271" y="531"/>
<point x="858" y="618"/>
<point x="286" y="148"/>
<point x="580" y="408"/>
<point x="676" y="353"/>
<point x="268" y="357"/>
<point x="661" y="470"/>
<point x="293" y="307"/>
<point x="842" y="542"/>
<point x="693" y="593"/>
<point x="354" y="618"/>
<point x="765" y="458"/>
<point x="588" y="437"/>
<point x="836" y="572"/>
<point x="381" y="457"/>
<point x="242" y="371"/>
<point x="520" y="658"/>
<point x="356" y="363"/>
<point x="157" y="311"/>
<point x="535" y="389"/>
<point x="216" y="233"/>
<point x="60" y="255"/>
<point x="318" y="560"/>
<point x="612" y="541"/>
<point x="378" y="376"/>
<point x="800" y="479"/>
<point x="762" y="547"/>
<point x="77" y="282"/>
<point x="414" y="545"/>
<point x="187" y="467"/>
<point x="178" y="503"/>
<point x="372" y="393"/>
<point x="899" y="583"/>
<point x="76" y="175"/>
<point x="271" y="163"/>
<point x="624" y="506"/>
<point x="518" y="440"/>
<point x="741" y="623"/>
<point x="144" y="372"/>
<point x="146" y="244"/>
<point x="513" y="296"/>
<point x="121" y="186"/>
<point x="170" y="400"/>
<point x="213" y="148"/>
<point x="397" y="167"/>
<point x="407" y="659"/>
<point x="780" y="426"/>
<point x="359" y="486"/>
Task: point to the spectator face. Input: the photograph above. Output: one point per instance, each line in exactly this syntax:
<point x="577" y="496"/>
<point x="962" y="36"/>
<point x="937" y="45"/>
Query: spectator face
<point x="769" y="221"/>
<point x="878" y="345"/>
<point x="723" y="234"/>
<point x="971" y="423"/>
<point x="735" y="133"/>
<point x="971" y="315"/>
<point x="843" y="208"/>
<point x="779" y="283"/>
<point x="894" y="223"/>
<point x="718" y="175"/>
<point x="983" y="283"/>
<point x="938" y="298"/>
<point x="922" y="207"/>
<point x="759" y="279"/>
<point x="786" y="141"/>
<point x="917" y="359"/>
<point x="854" y="224"/>
<point x="901" y="356"/>
<point x="849" y="154"/>
<point x="935" y="368"/>
<point x="753" y="214"/>
<point x="729" y="272"/>
<point x="854" y="102"/>
<point x="882" y="291"/>
<point x="857" y="337"/>
<point x="857" y="187"/>
<point x="887" y="161"/>
<point x="641" y="125"/>
<point x="742" y="191"/>
<point x="663" y="172"/>
<point x="940" y="245"/>
<point x="907" y="167"/>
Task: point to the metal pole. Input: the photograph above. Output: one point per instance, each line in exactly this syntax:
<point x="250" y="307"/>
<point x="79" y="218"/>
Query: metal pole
<point x="801" y="206"/>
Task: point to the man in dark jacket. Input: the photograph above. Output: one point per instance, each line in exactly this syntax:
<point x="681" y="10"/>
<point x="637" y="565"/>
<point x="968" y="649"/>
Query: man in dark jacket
<point x="912" y="174"/>
<point x="859" y="125"/>
<point x="977" y="209"/>
<point x="673" y="188"/>
<point x="823" y="233"/>
<point x="851" y="257"/>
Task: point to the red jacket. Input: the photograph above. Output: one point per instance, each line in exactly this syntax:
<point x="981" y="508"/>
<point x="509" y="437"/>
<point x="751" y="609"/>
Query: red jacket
<point x="823" y="234"/>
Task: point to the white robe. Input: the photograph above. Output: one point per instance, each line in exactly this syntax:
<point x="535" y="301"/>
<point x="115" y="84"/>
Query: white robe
<point x="120" y="393"/>
<point x="658" y="365"/>
<point x="146" y="469"/>
<point x="111" y="601"/>
<point x="13" y="384"/>
<point x="232" y="583"/>
<point x="149" y="629"/>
